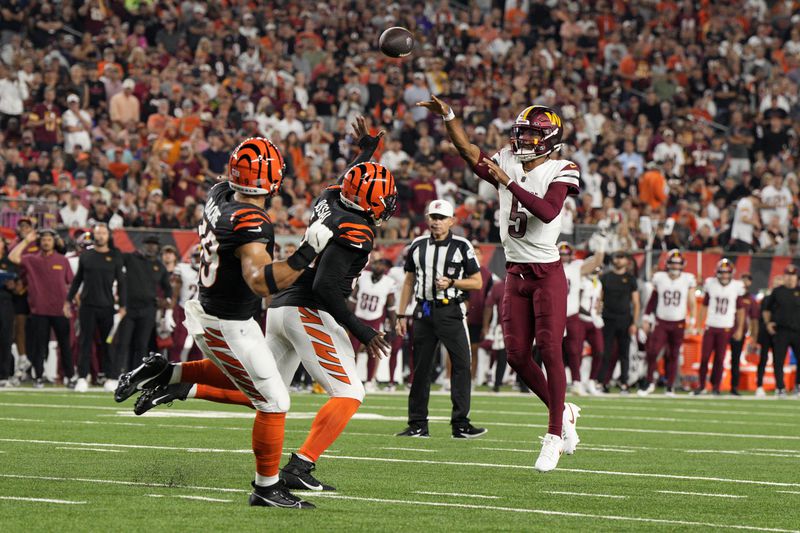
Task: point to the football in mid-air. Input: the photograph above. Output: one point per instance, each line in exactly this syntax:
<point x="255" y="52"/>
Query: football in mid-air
<point x="396" y="42"/>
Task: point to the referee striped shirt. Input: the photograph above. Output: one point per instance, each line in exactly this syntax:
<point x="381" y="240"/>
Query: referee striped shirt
<point x="452" y="257"/>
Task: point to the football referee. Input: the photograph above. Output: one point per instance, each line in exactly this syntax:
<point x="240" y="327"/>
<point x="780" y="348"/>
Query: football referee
<point x="780" y="317"/>
<point x="439" y="269"/>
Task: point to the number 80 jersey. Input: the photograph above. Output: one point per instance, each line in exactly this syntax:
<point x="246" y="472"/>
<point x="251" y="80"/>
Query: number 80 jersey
<point x="525" y="238"/>
<point x="228" y="224"/>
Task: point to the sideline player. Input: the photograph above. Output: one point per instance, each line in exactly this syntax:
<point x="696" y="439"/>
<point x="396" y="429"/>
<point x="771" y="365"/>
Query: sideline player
<point x="575" y="270"/>
<point x="672" y="291"/>
<point x="185" y="278"/>
<point x="236" y="272"/>
<point x="723" y="302"/>
<point x="374" y="302"/>
<point x="532" y="188"/>
<point x="591" y="293"/>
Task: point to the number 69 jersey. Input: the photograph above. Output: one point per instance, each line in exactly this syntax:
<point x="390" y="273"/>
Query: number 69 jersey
<point x="722" y="302"/>
<point x="673" y="295"/>
<point x="227" y="225"/>
<point x="525" y="238"/>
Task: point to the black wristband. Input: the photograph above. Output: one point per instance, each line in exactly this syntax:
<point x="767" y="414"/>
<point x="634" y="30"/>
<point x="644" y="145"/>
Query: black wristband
<point x="302" y="257"/>
<point x="269" y="278"/>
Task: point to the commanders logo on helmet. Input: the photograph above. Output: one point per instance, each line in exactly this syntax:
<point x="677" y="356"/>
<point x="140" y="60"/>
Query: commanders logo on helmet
<point x="85" y="240"/>
<point x="256" y="167"/>
<point x="675" y="260"/>
<point x="536" y="133"/>
<point x="565" y="248"/>
<point x="369" y="187"/>
<point x="725" y="270"/>
<point x="194" y="259"/>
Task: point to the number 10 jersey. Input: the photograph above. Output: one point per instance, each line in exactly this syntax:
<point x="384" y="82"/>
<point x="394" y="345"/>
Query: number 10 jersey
<point x="525" y="238"/>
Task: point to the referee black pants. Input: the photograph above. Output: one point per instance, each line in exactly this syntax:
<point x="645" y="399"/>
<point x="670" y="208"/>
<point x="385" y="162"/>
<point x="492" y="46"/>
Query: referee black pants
<point x="783" y="339"/>
<point x="446" y="325"/>
<point x="6" y="338"/>
<point x="615" y="329"/>
<point x="736" y="353"/>
<point x="41" y="326"/>
<point x="134" y="337"/>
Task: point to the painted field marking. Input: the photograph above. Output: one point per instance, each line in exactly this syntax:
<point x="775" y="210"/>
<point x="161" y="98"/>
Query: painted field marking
<point x="457" y="494"/>
<point x="187" y="497"/>
<point x="590" y="448"/>
<point x="42" y="500"/>
<point x="133" y="446"/>
<point x="408" y="449"/>
<point x="710" y="495"/>
<point x="566" y="493"/>
<point x="788" y="491"/>
<point x="88" y="449"/>
<point x="439" y="504"/>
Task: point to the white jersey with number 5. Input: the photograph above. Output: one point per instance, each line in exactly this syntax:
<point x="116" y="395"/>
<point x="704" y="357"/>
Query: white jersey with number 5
<point x="189" y="278"/>
<point x="372" y="295"/>
<point x="573" y="273"/>
<point x="673" y="295"/>
<point x="526" y="239"/>
<point x="722" y="302"/>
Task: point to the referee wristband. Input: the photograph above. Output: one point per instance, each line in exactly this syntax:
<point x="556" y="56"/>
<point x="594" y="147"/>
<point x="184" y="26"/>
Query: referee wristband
<point x="269" y="278"/>
<point x="302" y="257"/>
<point x="449" y="116"/>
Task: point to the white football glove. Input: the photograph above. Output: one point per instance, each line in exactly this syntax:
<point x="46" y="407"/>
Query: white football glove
<point x="317" y="236"/>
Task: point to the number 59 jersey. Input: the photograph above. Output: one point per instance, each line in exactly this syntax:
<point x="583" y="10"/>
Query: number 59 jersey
<point x="228" y="224"/>
<point x="673" y="295"/>
<point x="722" y="302"/>
<point x="525" y="238"/>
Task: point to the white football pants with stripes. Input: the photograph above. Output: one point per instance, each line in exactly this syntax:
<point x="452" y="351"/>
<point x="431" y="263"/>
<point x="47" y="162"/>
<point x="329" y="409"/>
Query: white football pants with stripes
<point x="239" y="349"/>
<point x="296" y="334"/>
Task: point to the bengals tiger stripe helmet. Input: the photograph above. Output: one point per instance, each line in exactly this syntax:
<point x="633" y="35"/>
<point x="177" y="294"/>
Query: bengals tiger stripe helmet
<point x="369" y="187"/>
<point x="256" y="167"/>
<point x="536" y="133"/>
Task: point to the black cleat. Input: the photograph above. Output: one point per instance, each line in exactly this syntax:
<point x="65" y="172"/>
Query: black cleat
<point x="296" y="475"/>
<point x="277" y="495"/>
<point x="410" y="431"/>
<point x="159" y="396"/>
<point x="151" y="373"/>
<point x="468" y="432"/>
<point x="735" y="392"/>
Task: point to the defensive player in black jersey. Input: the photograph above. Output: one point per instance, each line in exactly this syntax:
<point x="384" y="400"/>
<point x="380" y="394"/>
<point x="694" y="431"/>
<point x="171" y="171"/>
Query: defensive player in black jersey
<point x="236" y="272"/>
<point x="306" y="322"/>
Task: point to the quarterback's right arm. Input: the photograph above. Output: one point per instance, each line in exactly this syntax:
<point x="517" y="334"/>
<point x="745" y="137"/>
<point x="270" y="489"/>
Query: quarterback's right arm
<point x="265" y="277"/>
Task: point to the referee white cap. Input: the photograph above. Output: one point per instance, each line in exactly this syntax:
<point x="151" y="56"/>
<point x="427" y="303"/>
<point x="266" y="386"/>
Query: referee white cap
<point x="440" y="207"/>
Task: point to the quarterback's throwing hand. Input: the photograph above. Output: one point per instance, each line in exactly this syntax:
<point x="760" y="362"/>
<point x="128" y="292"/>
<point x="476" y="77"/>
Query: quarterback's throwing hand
<point x="435" y="106"/>
<point x="497" y="173"/>
<point x="317" y="236"/>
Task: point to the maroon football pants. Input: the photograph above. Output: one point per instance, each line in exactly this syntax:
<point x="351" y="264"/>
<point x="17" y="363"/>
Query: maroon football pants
<point x="715" y="340"/>
<point x="665" y="333"/>
<point x="572" y="346"/>
<point x="594" y="336"/>
<point x="535" y="306"/>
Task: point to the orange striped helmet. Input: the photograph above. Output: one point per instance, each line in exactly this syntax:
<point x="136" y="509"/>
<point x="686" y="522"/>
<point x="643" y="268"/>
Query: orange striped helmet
<point x="369" y="187"/>
<point x="256" y="167"/>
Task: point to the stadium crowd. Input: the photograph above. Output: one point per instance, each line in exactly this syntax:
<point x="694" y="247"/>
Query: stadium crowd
<point x="125" y="112"/>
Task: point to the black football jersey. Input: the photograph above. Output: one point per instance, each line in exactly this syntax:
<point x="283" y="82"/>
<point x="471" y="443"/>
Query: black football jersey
<point x="350" y="230"/>
<point x="227" y="225"/>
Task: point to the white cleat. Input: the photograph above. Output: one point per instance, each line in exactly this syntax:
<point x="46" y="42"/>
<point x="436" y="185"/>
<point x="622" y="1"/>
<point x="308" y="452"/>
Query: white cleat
<point x="591" y="387"/>
<point x="371" y="386"/>
<point x="552" y="446"/>
<point x="110" y="385"/>
<point x="651" y="388"/>
<point x="569" y="433"/>
<point x="577" y="388"/>
<point x="81" y="385"/>
<point x="760" y="392"/>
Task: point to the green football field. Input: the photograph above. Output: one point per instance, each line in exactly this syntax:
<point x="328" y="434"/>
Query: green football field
<point x="71" y="462"/>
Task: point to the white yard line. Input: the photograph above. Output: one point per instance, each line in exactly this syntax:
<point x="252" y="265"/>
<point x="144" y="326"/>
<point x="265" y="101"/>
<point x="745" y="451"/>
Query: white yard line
<point x="58" y="406"/>
<point x="795" y="455"/>
<point x="88" y="449"/>
<point x="443" y="504"/>
<point x="134" y="446"/>
<point x="187" y="497"/>
<point x="457" y="494"/>
<point x="565" y="493"/>
<point x="788" y="491"/>
<point x="42" y="500"/>
<point x="582" y="448"/>
<point x="121" y="482"/>
<point x="710" y="495"/>
<point x="408" y="449"/>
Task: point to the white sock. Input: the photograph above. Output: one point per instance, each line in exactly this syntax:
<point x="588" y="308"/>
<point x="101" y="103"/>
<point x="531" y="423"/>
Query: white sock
<point x="303" y="457"/>
<point x="192" y="392"/>
<point x="265" y="481"/>
<point x="176" y="374"/>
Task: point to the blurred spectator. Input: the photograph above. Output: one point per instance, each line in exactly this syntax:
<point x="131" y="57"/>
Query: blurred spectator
<point x="8" y="274"/>
<point x="746" y="222"/>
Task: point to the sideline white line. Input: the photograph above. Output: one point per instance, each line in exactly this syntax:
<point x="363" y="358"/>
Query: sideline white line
<point x="43" y="500"/>
<point x="88" y="449"/>
<point x="565" y="493"/>
<point x="187" y="497"/>
<point x="700" y="494"/>
<point x="439" y="504"/>
<point x="408" y="449"/>
<point x="458" y="494"/>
